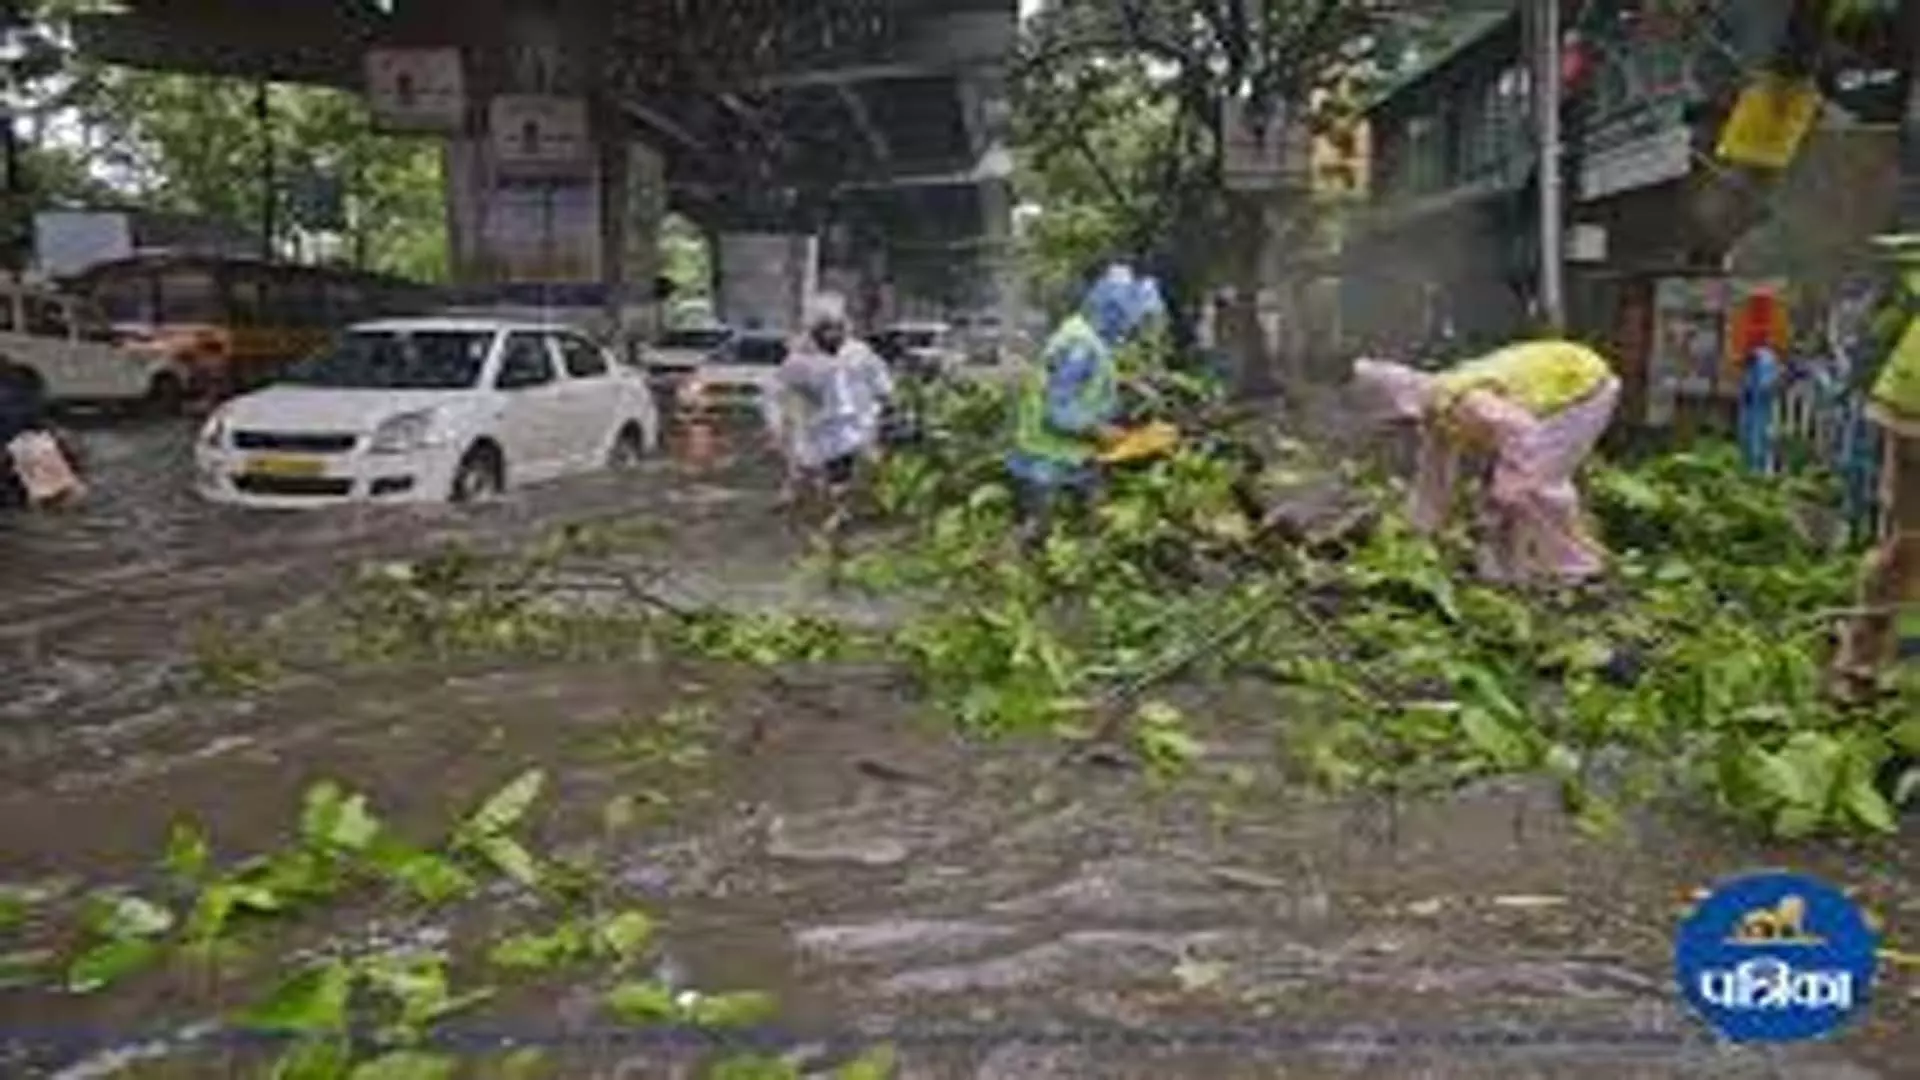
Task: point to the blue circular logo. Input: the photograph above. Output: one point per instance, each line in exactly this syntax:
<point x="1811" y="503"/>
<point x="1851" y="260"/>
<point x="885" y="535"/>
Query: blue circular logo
<point x="1775" y="957"/>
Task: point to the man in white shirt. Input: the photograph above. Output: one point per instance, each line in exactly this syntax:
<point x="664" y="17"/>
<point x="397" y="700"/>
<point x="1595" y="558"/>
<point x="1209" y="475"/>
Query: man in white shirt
<point x="826" y="413"/>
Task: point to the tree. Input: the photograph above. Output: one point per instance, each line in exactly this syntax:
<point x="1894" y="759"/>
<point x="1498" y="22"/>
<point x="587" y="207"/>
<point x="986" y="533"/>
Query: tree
<point x="1139" y="92"/>
<point x="199" y="145"/>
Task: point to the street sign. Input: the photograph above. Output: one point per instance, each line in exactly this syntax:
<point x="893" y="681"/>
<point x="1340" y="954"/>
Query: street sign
<point x="1263" y="160"/>
<point x="416" y="90"/>
<point x="539" y="135"/>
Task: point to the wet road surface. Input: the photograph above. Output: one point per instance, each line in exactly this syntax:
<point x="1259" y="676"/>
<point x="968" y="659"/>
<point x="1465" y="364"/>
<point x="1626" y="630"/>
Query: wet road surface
<point x="883" y="879"/>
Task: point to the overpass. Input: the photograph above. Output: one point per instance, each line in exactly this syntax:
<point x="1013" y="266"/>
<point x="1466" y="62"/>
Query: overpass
<point x="866" y="138"/>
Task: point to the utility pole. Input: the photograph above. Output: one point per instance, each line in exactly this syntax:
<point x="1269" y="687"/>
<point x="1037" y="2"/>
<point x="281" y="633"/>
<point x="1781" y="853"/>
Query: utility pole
<point x="1545" y="42"/>
<point x="263" y="113"/>
<point x="16" y="211"/>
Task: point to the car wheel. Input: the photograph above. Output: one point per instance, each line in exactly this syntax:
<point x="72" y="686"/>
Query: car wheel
<point x="481" y="476"/>
<point x="629" y="449"/>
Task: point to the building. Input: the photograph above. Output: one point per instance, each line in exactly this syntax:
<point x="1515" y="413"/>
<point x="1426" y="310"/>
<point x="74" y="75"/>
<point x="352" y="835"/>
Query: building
<point x="1447" y="255"/>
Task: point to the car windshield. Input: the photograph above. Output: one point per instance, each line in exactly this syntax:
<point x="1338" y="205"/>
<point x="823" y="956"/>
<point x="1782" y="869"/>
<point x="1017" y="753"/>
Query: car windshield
<point x="693" y="340"/>
<point x="397" y="360"/>
<point x="919" y="339"/>
<point x="760" y="352"/>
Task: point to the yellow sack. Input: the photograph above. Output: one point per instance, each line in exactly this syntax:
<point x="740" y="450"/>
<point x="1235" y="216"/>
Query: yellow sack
<point x="1146" y="441"/>
<point x="1769" y="122"/>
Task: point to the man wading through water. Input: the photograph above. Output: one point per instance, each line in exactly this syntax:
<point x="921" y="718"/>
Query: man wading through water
<point x="827" y="411"/>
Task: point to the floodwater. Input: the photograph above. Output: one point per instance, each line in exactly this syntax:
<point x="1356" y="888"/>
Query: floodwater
<point x="991" y="911"/>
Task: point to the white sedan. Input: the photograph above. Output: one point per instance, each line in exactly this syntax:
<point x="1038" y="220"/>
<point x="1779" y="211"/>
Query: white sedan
<point x="428" y="410"/>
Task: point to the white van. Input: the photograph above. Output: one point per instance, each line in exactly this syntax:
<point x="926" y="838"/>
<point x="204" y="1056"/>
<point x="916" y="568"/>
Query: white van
<point x="78" y="355"/>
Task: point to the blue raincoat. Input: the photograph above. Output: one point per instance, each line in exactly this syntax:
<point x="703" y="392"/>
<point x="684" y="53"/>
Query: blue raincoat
<point x="1117" y="307"/>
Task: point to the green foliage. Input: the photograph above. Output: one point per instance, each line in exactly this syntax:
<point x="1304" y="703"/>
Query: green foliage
<point x="350" y="1011"/>
<point x="194" y="144"/>
<point x="1699" y="661"/>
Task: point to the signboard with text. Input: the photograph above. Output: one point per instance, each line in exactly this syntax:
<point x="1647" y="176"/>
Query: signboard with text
<point x="1273" y="154"/>
<point x="416" y="90"/>
<point x="539" y="135"/>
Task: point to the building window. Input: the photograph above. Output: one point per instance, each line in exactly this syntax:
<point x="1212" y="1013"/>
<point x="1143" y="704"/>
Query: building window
<point x="1423" y="154"/>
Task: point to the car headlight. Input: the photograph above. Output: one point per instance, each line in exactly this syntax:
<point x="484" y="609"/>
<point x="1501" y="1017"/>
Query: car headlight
<point x="406" y="432"/>
<point x="214" y="435"/>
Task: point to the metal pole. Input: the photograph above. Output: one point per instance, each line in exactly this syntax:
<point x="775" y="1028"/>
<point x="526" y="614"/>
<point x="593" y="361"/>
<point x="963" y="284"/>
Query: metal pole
<point x="1546" y="118"/>
<point x="262" y="112"/>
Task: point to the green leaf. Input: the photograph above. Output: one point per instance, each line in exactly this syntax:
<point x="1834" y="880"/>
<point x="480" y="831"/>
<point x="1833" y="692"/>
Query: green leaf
<point x="642" y="1003"/>
<point x="314" y="1059"/>
<point x="336" y="821"/>
<point x="508" y="857"/>
<point x="311" y="1002"/>
<point x="505" y="808"/>
<point x="432" y="880"/>
<point x="1861" y="798"/>
<point x="110" y="961"/>
<point x="295" y="872"/>
<point x="879" y="1063"/>
<point x="188" y="853"/>
<point x="1776" y="778"/>
<point x="406" y="1065"/>
<point x="1798" y="821"/>
<point x="566" y="944"/>
<point x="1501" y="746"/>
<point x="1906" y="735"/>
<point x="218" y="901"/>
<point x="625" y="936"/>
<point x="732" y="1010"/>
<point x="122" y="916"/>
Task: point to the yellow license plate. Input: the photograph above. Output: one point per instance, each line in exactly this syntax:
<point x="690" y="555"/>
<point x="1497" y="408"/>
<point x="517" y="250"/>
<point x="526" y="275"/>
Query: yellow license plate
<point x="286" y="466"/>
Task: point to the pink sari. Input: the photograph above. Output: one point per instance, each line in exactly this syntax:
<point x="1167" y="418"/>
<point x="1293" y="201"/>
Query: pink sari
<point x="1530" y="512"/>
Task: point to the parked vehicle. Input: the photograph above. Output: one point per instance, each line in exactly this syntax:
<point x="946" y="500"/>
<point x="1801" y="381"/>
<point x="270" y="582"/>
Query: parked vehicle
<point x="233" y="324"/>
<point x="79" y="358"/>
<point x="412" y="410"/>
<point x="738" y="379"/>
<point x="672" y="359"/>
<point x="929" y="348"/>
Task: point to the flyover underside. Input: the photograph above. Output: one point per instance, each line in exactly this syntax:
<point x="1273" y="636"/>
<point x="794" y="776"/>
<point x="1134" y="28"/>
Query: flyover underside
<point x="883" y="115"/>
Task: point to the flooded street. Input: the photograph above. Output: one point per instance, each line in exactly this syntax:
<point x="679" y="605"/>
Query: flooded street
<point x="991" y="911"/>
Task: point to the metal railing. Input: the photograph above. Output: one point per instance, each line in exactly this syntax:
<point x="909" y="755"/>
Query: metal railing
<point x="1801" y="415"/>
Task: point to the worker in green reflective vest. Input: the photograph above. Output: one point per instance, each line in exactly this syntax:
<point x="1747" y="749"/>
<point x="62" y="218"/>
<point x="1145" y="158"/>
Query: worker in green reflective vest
<point x="1890" y="582"/>
<point x="1068" y="405"/>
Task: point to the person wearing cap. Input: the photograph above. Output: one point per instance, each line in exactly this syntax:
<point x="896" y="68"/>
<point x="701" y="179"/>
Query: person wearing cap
<point x="832" y="392"/>
<point x="1537" y="409"/>
<point x="1890" y="580"/>
<point x="1067" y="406"/>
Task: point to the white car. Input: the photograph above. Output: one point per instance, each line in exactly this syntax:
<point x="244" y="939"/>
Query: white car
<point x="79" y="356"/>
<point x="738" y="380"/>
<point x="678" y="354"/>
<point x="428" y="410"/>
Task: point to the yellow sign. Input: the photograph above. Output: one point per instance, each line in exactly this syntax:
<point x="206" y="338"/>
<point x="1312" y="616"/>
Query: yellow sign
<point x="1769" y="122"/>
<point x="294" y="467"/>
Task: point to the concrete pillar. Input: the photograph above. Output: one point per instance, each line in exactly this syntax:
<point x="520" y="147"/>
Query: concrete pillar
<point x="765" y="278"/>
<point x="633" y="238"/>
